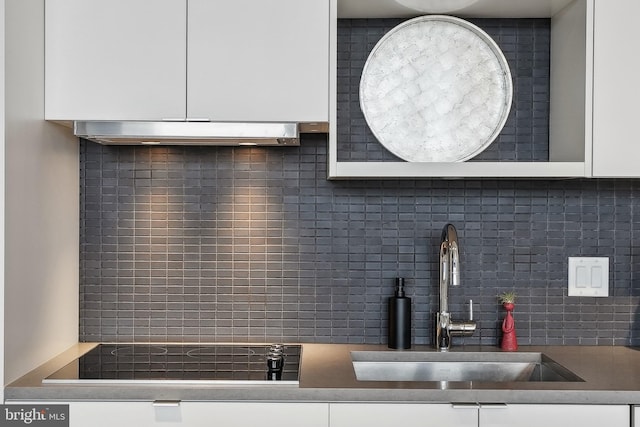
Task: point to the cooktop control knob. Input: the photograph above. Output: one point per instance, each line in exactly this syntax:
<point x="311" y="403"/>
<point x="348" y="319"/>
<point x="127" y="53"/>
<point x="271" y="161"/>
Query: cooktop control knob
<point x="275" y="362"/>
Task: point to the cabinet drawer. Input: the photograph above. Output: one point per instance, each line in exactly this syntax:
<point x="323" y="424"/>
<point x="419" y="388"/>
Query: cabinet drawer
<point x="555" y="416"/>
<point x="401" y="414"/>
<point x="194" y="414"/>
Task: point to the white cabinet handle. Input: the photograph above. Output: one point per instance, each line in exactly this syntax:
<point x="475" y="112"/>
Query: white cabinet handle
<point x="472" y="405"/>
<point x="166" y="403"/>
<point x="493" y="406"/>
<point x="186" y="119"/>
<point x="465" y="405"/>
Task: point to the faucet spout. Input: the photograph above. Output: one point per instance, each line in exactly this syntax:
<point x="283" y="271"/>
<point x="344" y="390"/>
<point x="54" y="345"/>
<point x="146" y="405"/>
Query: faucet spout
<point x="449" y="264"/>
<point x="449" y="276"/>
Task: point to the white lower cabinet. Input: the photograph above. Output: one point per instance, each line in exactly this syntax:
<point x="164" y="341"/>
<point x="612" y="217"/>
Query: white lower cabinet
<point x="293" y="414"/>
<point x="477" y="415"/>
<point x="401" y="414"/>
<point x="194" y="414"/>
<point x="636" y="416"/>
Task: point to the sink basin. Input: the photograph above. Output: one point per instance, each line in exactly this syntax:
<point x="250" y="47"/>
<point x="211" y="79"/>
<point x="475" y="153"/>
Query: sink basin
<point x="462" y="366"/>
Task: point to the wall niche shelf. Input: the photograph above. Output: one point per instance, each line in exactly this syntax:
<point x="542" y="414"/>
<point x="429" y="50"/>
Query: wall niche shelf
<point x="570" y="81"/>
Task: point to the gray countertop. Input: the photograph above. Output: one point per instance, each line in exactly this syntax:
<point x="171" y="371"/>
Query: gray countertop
<point x="611" y="376"/>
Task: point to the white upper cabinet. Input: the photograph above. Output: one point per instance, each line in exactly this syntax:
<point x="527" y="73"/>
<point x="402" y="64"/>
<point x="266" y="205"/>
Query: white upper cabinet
<point x="115" y="59"/>
<point x="241" y="60"/>
<point x="258" y="60"/>
<point x="616" y="145"/>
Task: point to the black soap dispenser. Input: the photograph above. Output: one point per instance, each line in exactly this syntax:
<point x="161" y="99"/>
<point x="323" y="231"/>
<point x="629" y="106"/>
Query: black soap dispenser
<point x="399" y="318"/>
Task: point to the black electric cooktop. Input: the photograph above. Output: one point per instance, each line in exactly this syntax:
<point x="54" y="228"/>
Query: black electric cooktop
<point x="184" y="363"/>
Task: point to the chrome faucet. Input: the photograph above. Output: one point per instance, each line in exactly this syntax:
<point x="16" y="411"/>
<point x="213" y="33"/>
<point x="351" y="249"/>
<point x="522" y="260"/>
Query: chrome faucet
<point x="450" y="275"/>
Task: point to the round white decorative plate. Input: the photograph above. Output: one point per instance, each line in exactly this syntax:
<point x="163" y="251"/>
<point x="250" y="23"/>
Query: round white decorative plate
<point x="436" y="89"/>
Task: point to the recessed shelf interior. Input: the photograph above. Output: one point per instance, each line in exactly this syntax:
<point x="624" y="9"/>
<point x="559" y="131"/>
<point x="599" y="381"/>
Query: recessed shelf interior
<point x="548" y="128"/>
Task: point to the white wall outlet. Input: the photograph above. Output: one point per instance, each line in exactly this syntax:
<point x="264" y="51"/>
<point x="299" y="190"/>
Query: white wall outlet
<point x="588" y="276"/>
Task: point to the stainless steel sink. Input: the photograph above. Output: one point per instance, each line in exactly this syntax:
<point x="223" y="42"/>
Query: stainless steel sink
<point x="457" y="366"/>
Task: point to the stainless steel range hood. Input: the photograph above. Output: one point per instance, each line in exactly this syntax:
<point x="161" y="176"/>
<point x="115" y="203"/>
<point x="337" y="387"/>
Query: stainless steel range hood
<point x="187" y="133"/>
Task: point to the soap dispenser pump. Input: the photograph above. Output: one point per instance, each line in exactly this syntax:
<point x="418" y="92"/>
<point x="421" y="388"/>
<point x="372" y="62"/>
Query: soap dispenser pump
<point x="399" y="318"/>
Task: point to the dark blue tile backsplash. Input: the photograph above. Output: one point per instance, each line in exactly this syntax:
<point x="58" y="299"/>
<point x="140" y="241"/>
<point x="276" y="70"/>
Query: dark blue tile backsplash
<point x="254" y="244"/>
<point x="224" y="244"/>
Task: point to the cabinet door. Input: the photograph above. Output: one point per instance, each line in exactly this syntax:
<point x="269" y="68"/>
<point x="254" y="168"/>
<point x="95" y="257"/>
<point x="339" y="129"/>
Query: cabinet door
<point x="401" y="414"/>
<point x="616" y="144"/>
<point x="555" y="416"/>
<point x="256" y="60"/>
<point x="115" y="59"/>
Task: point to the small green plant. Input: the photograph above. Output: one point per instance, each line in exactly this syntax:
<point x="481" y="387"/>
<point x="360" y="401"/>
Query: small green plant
<point x="507" y="297"/>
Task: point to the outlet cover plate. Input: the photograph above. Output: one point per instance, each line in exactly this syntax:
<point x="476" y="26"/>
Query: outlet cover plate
<point x="589" y="276"/>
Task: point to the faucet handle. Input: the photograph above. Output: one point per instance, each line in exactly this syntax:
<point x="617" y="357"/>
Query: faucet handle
<point x="462" y="329"/>
<point x="466" y="328"/>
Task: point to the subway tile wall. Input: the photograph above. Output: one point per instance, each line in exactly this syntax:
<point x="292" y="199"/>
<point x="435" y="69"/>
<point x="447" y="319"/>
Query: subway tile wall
<point x="254" y="244"/>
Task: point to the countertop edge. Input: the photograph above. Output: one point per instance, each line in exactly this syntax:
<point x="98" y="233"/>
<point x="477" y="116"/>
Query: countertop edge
<point x="324" y="395"/>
